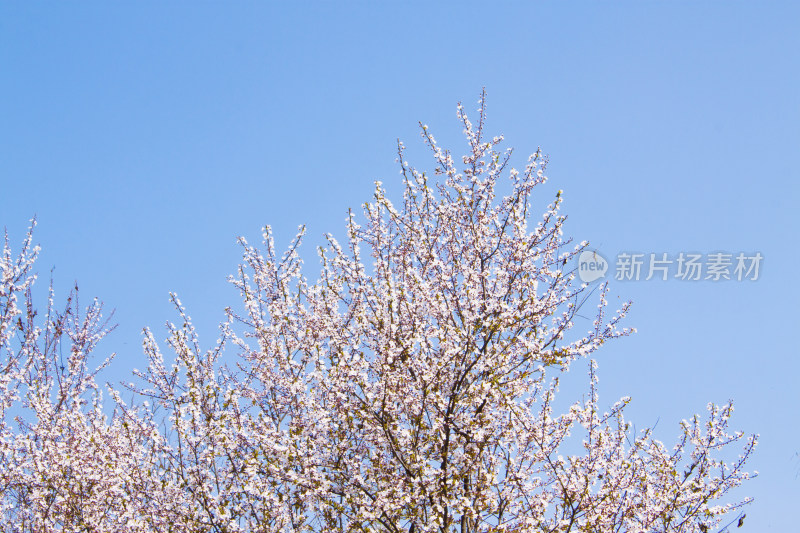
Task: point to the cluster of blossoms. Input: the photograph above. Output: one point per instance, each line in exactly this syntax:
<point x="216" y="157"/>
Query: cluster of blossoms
<point x="410" y="389"/>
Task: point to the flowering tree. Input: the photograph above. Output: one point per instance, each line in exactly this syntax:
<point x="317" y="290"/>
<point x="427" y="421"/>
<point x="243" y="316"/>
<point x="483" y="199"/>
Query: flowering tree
<point x="411" y="388"/>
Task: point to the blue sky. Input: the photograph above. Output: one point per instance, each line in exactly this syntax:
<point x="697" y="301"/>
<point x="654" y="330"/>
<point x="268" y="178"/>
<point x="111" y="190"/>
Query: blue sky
<point x="147" y="137"/>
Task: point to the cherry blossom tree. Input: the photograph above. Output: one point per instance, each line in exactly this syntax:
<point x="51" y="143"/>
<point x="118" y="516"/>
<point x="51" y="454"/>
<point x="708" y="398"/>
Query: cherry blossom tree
<point x="411" y="388"/>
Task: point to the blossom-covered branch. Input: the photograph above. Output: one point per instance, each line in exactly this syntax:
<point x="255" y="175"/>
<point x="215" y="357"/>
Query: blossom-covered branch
<point x="410" y="388"/>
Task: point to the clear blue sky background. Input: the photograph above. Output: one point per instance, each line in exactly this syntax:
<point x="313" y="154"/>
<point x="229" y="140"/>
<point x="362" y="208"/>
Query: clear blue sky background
<point x="147" y="137"/>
